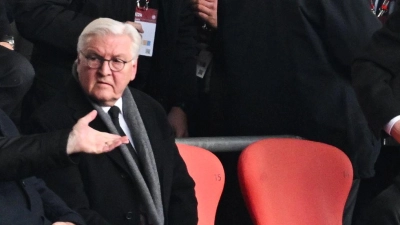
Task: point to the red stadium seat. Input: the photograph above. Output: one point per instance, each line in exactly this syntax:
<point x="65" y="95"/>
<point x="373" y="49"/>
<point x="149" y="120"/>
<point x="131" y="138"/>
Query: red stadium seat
<point x="287" y="181"/>
<point x="207" y="172"/>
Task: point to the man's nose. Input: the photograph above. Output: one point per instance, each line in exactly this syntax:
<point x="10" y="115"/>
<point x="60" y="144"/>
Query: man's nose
<point x="105" y="69"/>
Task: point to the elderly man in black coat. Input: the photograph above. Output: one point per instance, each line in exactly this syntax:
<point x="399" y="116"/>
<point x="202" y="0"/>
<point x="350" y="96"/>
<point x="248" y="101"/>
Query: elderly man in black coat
<point x="145" y="182"/>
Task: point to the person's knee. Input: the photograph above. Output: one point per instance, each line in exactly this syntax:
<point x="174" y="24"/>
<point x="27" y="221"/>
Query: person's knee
<point x="384" y="209"/>
<point x="16" y="71"/>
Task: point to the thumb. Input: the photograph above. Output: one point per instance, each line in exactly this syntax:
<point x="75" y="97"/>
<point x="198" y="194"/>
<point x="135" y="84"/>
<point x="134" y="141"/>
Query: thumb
<point x="89" y="117"/>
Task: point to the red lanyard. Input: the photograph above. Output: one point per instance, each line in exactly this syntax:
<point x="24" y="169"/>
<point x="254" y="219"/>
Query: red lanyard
<point x="382" y="10"/>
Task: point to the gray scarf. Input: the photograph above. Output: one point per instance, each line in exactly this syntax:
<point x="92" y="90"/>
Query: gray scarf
<point x="148" y="183"/>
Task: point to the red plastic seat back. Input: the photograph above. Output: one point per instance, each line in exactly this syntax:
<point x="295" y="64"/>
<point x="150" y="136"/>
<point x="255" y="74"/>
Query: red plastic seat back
<point x="289" y="181"/>
<point x="208" y="173"/>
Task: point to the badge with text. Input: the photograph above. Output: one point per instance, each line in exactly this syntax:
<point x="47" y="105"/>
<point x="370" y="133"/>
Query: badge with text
<point x="148" y="19"/>
<point x="203" y="61"/>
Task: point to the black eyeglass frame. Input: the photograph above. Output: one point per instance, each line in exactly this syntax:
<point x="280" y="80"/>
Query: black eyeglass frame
<point x="101" y="60"/>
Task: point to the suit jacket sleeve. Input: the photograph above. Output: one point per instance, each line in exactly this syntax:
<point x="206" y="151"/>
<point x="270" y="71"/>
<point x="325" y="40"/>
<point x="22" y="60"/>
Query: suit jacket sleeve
<point x="55" y="209"/>
<point x="28" y="155"/>
<point x="50" y="22"/>
<point x="374" y="91"/>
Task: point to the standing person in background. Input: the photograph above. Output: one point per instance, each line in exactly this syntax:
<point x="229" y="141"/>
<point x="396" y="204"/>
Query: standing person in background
<point x="168" y="75"/>
<point x="376" y="79"/>
<point x="283" y="68"/>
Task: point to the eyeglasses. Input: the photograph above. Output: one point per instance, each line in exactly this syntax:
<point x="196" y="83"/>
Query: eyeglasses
<point x="95" y="62"/>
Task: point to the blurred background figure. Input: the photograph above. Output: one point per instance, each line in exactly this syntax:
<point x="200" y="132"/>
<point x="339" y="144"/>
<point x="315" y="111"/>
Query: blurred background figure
<point x="283" y="68"/>
<point x="376" y="78"/>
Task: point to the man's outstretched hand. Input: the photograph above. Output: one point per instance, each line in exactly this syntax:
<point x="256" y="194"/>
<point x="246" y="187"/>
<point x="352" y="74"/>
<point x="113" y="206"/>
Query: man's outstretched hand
<point x="83" y="138"/>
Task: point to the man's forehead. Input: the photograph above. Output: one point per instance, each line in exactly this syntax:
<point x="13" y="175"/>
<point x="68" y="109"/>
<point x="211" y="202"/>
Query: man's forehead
<point x="110" y="45"/>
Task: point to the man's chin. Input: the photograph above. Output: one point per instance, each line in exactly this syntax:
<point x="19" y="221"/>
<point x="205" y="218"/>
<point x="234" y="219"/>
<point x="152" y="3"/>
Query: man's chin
<point x="103" y="100"/>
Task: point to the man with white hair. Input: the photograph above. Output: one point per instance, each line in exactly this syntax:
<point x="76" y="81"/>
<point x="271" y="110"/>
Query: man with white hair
<point x="143" y="182"/>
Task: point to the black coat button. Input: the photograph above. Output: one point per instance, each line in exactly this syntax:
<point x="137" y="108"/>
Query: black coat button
<point x="129" y="215"/>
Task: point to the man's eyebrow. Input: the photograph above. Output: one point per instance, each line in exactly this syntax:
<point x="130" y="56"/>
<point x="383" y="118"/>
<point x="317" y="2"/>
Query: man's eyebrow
<point x="120" y="56"/>
<point x="89" y="52"/>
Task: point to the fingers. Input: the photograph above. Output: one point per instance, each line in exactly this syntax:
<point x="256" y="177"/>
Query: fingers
<point x="110" y="145"/>
<point x="181" y="132"/>
<point x="204" y="6"/>
<point x="83" y="138"/>
<point x="88" y="118"/>
<point x="136" y="25"/>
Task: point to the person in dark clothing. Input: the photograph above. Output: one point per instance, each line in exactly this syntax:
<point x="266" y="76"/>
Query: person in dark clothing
<point x="16" y="73"/>
<point x="168" y="75"/>
<point x="376" y="79"/>
<point x="283" y="68"/>
<point x="143" y="182"/>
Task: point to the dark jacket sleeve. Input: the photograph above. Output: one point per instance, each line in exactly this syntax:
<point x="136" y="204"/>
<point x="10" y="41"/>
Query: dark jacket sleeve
<point x="374" y="91"/>
<point x="28" y="155"/>
<point x="50" y="22"/>
<point x="54" y="207"/>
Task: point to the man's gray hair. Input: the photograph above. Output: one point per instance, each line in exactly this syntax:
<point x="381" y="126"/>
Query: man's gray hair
<point x="106" y="26"/>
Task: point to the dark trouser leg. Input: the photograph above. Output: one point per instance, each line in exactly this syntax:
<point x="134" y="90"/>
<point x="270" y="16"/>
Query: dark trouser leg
<point x="351" y="202"/>
<point x="16" y="77"/>
<point x="384" y="209"/>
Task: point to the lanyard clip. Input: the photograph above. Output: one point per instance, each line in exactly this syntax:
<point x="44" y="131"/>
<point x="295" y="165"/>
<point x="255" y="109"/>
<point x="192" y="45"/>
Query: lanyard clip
<point x="384" y="8"/>
<point x="145" y="7"/>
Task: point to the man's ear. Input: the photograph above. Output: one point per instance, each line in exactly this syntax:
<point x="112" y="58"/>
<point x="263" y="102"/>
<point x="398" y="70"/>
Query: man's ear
<point x="134" y="70"/>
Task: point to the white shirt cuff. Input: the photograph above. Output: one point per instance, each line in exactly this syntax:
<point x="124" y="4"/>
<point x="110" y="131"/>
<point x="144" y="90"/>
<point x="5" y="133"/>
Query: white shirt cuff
<point x="388" y="127"/>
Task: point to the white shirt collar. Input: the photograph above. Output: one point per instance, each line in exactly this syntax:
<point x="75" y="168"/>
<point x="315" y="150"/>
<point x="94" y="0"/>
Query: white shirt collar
<point x="118" y="103"/>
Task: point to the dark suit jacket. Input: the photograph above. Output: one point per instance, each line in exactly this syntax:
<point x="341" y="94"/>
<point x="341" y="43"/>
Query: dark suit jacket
<point x="101" y="187"/>
<point x="171" y="69"/>
<point x="286" y="70"/>
<point x="27" y="201"/>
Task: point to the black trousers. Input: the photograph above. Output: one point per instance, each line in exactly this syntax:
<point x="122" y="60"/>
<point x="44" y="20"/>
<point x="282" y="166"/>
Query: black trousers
<point x="16" y="77"/>
<point x="351" y="203"/>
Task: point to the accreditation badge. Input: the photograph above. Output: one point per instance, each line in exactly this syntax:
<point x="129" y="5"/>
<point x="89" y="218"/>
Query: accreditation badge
<point x="203" y="61"/>
<point x="148" y="19"/>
